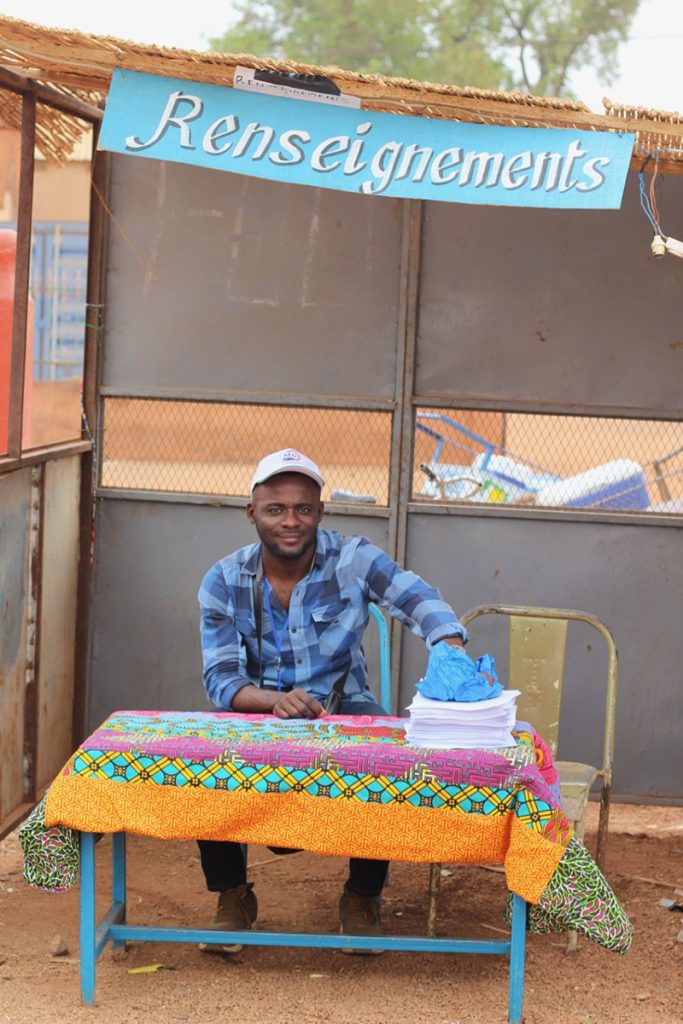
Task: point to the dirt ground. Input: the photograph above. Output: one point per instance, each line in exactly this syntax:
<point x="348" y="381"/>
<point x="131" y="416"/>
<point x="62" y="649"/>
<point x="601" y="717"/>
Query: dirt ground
<point x="289" y="986"/>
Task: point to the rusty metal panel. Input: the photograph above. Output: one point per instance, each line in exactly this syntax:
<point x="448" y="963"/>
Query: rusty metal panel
<point x="630" y="577"/>
<point x="150" y="559"/>
<point x="15" y="515"/>
<point x="222" y="282"/>
<point x="560" y="309"/>
<point x="57" y="627"/>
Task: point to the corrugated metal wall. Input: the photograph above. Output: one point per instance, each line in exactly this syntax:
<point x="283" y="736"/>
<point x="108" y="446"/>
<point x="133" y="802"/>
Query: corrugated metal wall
<point x="15" y="506"/>
<point x="39" y="531"/>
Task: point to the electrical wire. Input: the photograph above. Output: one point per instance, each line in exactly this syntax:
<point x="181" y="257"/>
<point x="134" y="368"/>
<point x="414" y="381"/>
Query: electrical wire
<point x="645" y="200"/>
<point x="653" y="196"/>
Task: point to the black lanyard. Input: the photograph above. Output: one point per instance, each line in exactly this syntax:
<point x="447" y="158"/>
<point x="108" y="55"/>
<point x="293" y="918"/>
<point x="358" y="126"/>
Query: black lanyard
<point x="256" y="585"/>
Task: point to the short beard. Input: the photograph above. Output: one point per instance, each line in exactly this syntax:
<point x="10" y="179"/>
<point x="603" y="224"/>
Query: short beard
<point x="290" y="556"/>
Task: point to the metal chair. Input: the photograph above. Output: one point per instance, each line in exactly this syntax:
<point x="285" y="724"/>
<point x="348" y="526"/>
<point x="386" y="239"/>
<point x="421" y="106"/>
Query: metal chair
<point x="384" y="657"/>
<point x="537" y="649"/>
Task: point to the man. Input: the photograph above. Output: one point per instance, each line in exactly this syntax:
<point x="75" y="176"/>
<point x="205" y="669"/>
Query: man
<point x="282" y="623"/>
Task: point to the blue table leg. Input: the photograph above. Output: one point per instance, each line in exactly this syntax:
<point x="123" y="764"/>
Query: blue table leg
<point x="517" y="953"/>
<point x="113" y="927"/>
<point x="88" y="953"/>
<point x="118" y="864"/>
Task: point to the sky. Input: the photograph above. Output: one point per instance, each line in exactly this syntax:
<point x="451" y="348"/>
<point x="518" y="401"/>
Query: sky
<point x="649" y="62"/>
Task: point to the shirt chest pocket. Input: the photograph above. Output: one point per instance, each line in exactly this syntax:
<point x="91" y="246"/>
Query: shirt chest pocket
<point x="334" y="626"/>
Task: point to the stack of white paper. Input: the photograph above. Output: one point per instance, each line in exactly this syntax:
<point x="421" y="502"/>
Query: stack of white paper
<point x="449" y="723"/>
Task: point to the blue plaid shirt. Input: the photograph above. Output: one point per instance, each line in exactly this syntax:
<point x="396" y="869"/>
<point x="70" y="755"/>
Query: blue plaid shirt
<point x="328" y="613"/>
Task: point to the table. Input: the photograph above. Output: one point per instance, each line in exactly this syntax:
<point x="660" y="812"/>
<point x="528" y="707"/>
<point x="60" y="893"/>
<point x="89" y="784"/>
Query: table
<point x="337" y="785"/>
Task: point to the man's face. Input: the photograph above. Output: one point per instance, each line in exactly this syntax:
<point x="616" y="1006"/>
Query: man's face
<point x="286" y="511"/>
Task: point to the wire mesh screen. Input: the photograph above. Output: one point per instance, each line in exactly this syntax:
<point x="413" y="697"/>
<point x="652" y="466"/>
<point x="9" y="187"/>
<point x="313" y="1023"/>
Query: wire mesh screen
<point x="624" y="465"/>
<point x="190" y="447"/>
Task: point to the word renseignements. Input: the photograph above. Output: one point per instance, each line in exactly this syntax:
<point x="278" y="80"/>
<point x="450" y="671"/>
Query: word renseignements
<point x="378" y="165"/>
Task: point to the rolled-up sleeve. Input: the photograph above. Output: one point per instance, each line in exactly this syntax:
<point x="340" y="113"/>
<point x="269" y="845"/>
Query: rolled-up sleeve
<point x="223" y="650"/>
<point x="407" y="597"/>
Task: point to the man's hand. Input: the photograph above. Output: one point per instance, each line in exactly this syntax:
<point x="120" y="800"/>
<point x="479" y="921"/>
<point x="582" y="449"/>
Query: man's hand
<point x="456" y="641"/>
<point x="297" y="704"/>
<point x="252" y="700"/>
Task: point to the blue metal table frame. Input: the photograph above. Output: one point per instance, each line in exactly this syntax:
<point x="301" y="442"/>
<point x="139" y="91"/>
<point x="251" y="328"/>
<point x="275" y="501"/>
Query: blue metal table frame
<point x="113" y="928"/>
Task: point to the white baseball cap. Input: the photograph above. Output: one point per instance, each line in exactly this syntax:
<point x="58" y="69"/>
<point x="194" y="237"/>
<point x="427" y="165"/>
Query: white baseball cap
<point x="289" y="460"/>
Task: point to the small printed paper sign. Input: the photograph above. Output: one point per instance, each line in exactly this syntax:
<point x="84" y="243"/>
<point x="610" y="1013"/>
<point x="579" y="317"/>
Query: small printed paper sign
<point x="249" y="80"/>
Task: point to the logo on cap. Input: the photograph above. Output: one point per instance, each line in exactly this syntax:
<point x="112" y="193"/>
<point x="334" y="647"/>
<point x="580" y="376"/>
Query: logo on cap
<point x="291" y="456"/>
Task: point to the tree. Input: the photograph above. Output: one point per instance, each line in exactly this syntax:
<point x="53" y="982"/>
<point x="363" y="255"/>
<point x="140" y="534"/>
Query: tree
<point x="527" y="45"/>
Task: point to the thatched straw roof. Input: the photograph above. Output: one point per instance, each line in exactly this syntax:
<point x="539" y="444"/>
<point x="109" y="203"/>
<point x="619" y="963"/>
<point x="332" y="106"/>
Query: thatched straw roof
<point x="81" y="65"/>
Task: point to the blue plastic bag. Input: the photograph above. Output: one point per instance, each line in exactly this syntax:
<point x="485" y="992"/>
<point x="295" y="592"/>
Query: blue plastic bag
<point x="452" y="675"/>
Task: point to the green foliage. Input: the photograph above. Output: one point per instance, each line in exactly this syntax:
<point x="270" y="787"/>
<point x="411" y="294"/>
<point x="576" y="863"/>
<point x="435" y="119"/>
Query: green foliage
<point x="530" y="45"/>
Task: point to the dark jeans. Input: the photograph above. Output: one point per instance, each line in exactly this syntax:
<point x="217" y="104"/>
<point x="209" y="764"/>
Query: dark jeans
<point x="224" y="865"/>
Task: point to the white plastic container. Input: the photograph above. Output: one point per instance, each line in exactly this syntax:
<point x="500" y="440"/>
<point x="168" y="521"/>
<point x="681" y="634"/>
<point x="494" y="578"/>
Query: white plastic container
<point x="619" y="484"/>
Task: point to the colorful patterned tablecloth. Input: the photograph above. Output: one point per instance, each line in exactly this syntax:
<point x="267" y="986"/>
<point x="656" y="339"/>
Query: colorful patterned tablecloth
<point x="336" y="785"/>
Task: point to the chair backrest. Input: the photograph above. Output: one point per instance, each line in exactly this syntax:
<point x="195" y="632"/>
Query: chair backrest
<point x="384" y="657"/>
<point x="537" y="654"/>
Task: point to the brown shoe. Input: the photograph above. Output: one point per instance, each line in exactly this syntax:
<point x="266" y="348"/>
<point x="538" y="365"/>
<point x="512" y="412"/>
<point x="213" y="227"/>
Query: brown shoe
<point x="360" y="915"/>
<point x="236" y="912"/>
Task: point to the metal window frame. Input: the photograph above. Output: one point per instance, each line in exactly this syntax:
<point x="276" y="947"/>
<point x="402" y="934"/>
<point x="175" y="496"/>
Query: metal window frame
<point x="31" y="94"/>
<point x="281" y="400"/>
<point x="573" y="514"/>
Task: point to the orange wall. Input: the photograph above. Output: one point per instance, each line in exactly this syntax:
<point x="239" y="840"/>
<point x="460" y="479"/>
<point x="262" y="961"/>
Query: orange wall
<point x="9" y="173"/>
<point x="59" y="193"/>
<point x="8" y="254"/>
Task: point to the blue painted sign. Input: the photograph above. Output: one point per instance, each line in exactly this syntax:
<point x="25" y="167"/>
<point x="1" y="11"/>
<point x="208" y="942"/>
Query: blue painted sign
<point x="362" y="151"/>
